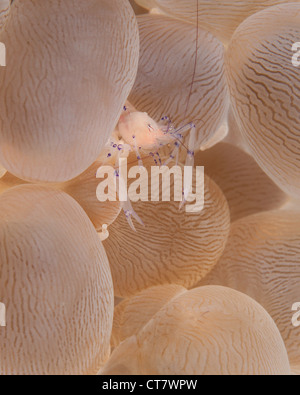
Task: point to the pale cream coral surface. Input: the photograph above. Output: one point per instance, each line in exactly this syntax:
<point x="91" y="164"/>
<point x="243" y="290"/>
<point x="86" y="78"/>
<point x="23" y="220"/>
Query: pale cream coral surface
<point x="211" y="292"/>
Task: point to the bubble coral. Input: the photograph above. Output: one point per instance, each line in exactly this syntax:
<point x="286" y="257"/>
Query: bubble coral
<point x="137" y="9"/>
<point x="296" y="370"/>
<point x="8" y="181"/>
<point x="4" y="11"/>
<point x="261" y="259"/>
<point x="234" y="136"/>
<point x="132" y="314"/>
<point x="173" y="246"/>
<point x="83" y="190"/>
<point x="220" y="17"/>
<point x="165" y="74"/>
<point x="56" y="284"/>
<point x="246" y="187"/>
<point x="265" y="91"/>
<point x="71" y="67"/>
<point x="206" y="331"/>
<point x="2" y="171"/>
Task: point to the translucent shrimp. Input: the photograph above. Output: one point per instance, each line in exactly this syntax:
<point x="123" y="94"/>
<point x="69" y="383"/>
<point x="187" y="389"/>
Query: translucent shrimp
<point x="139" y="133"/>
<point x="142" y="134"/>
<point x="136" y="131"/>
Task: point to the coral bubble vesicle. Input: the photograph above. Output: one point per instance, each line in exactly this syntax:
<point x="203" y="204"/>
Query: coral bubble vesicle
<point x="4" y="11"/>
<point x="70" y="67"/>
<point x="149" y="189"/>
<point x="220" y="17"/>
<point x="207" y="331"/>
<point x="83" y="190"/>
<point x="2" y="171"/>
<point x="265" y="91"/>
<point x="246" y="187"/>
<point x="173" y="246"/>
<point x="132" y="314"/>
<point x="56" y="284"/>
<point x="165" y="73"/>
<point x="261" y="259"/>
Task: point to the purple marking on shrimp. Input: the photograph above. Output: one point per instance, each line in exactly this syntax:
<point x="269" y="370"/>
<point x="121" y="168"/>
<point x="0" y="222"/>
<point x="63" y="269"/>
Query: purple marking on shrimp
<point x="153" y="156"/>
<point x="160" y="162"/>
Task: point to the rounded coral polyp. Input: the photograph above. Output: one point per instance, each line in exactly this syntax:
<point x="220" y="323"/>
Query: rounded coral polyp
<point x="262" y="259"/>
<point x="173" y="246"/>
<point x="265" y="91"/>
<point x="56" y="285"/>
<point x="65" y="83"/>
<point x="8" y="181"/>
<point x="132" y="314"/>
<point x="2" y="171"/>
<point x="220" y="17"/>
<point x="4" y="12"/>
<point x="166" y="72"/>
<point x="200" y="332"/>
<point x="246" y="187"/>
<point x="121" y="100"/>
<point x="137" y="9"/>
<point x="83" y="190"/>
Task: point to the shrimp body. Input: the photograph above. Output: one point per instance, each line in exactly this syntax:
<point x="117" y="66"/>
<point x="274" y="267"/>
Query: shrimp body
<point x="140" y="132"/>
<point x="137" y="129"/>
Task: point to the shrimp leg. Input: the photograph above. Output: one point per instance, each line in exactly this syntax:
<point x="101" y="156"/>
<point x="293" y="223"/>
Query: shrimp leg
<point x="130" y="213"/>
<point x="137" y="151"/>
<point x="173" y="155"/>
<point x="127" y="206"/>
<point x="190" y="159"/>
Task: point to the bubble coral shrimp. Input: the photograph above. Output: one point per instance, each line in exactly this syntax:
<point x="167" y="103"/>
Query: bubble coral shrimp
<point x="140" y="132"/>
<point x="137" y="132"/>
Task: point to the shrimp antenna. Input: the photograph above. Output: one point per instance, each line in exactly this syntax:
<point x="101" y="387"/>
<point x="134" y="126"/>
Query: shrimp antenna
<point x="195" y="64"/>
